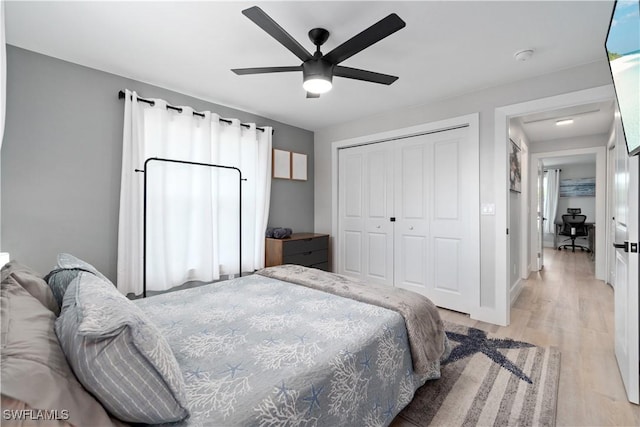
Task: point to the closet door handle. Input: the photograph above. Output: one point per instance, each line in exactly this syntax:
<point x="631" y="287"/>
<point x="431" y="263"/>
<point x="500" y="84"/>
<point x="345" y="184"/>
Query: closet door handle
<point x="624" y="246"/>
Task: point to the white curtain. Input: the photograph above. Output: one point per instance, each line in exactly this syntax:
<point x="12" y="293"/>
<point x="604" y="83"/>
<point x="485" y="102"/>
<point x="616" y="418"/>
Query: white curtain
<point x="192" y="211"/>
<point x="552" y="192"/>
<point x="3" y="74"/>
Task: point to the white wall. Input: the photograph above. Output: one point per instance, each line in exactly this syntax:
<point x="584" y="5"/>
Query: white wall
<point x="485" y="102"/>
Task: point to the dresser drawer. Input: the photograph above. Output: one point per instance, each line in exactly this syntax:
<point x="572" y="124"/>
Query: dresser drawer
<point x="307" y="249"/>
<point x="310" y="244"/>
<point x="307" y="258"/>
<point x="322" y="266"/>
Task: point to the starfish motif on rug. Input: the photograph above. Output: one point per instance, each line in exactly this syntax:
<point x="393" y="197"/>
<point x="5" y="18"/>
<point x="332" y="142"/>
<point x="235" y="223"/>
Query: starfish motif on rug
<point x="476" y="341"/>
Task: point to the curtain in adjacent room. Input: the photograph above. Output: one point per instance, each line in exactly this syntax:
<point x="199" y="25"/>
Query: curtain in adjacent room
<point x="192" y="211"/>
<point x="552" y="192"/>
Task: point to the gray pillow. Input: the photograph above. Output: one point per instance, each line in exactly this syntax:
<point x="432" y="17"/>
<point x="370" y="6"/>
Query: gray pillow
<point x="34" y="368"/>
<point x="32" y="282"/>
<point x="68" y="267"/>
<point x="119" y="355"/>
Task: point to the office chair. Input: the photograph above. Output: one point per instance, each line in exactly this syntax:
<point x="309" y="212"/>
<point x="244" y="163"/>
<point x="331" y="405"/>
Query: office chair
<point x="573" y="225"/>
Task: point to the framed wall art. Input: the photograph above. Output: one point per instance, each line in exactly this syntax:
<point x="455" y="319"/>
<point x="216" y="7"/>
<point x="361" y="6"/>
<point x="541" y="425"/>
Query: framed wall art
<point x="298" y="166"/>
<point x="281" y="164"/>
<point x="515" y="165"/>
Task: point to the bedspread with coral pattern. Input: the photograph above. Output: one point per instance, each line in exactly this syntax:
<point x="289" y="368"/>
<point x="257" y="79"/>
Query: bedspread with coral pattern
<point x="262" y="352"/>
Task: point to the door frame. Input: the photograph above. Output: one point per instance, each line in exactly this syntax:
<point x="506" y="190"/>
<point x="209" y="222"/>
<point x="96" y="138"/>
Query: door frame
<point x="472" y="121"/>
<point x="600" y="202"/>
<point x="501" y="313"/>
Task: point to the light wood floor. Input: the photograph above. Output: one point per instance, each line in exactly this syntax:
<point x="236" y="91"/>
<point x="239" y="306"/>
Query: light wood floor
<point x="565" y="306"/>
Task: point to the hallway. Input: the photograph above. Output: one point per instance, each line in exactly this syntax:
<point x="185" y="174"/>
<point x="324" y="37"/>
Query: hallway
<point x="565" y="306"/>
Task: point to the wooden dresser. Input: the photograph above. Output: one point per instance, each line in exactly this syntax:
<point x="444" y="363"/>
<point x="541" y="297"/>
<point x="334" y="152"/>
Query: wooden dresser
<point x="308" y="249"/>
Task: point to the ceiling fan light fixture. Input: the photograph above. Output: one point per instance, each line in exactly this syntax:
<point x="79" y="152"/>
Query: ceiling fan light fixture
<point x="317" y="76"/>
<point x="317" y="85"/>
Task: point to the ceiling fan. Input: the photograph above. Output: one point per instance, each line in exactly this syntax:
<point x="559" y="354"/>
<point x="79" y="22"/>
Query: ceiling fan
<point x="318" y="69"/>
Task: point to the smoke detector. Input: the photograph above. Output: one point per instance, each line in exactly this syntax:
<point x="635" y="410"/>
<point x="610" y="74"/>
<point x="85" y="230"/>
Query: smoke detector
<point x="523" y="55"/>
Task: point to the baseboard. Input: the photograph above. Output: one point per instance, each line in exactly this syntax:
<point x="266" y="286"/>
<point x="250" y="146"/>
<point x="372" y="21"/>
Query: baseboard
<point x="515" y="290"/>
<point x="489" y="315"/>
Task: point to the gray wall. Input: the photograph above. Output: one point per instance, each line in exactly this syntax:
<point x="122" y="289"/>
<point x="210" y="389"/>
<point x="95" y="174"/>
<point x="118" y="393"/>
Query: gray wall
<point x="485" y="102"/>
<point x="61" y="161"/>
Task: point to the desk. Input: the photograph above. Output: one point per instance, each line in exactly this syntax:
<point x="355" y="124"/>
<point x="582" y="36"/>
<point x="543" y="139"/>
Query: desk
<point x="591" y="236"/>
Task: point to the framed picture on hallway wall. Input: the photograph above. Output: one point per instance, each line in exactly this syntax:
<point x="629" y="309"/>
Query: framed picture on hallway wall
<point x="515" y="172"/>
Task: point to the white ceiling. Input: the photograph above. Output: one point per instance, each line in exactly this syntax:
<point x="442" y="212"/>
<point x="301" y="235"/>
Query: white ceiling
<point x="588" y="119"/>
<point x="447" y="48"/>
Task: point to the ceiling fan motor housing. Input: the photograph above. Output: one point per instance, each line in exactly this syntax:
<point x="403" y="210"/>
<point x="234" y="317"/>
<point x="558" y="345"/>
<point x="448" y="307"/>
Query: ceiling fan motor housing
<point x="317" y="68"/>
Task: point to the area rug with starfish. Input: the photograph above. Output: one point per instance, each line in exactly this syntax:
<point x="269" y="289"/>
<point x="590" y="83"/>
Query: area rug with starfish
<point x="488" y="381"/>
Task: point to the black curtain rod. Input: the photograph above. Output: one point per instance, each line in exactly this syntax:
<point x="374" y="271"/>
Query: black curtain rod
<point x="547" y="170"/>
<point x="121" y="95"/>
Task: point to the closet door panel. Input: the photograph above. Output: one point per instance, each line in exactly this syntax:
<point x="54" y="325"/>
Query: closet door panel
<point x="351" y="220"/>
<point x="366" y="185"/>
<point x="413" y="273"/>
<point x="412" y="257"/>
<point x="446" y="180"/>
<point x="379" y="188"/>
<point x="450" y="217"/>
<point x="447" y="265"/>
<point x="352" y="252"/>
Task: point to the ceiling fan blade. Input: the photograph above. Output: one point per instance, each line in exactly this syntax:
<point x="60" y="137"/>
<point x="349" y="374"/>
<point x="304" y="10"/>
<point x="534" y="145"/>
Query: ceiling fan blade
<point x="313" y="95"/>
<point x="264" y="21"/>
<point x="381" y="29"/>
<point x="367" y="76"/>
<point x="262" y="70"/>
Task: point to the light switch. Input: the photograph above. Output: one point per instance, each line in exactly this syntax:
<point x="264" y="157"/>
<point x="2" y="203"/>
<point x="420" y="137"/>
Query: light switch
<point x="488" y="209"/>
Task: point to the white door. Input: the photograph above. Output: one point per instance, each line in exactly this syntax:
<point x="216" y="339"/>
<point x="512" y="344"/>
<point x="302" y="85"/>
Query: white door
<point x="626" y="318"/>
<point x="437" y="253"/>
<point x="541" y="218"/>
<point x="365" y="232"/>
<point x="611" y="213"/>
<point x="409" y="216"/>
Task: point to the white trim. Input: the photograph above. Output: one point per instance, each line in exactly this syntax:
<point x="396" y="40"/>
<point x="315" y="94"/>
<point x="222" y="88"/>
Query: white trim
<point x="515" y="290"/>
<point x="470" y="120"/>
<point x="501" y="127"/>
<point x="525" y="208"/>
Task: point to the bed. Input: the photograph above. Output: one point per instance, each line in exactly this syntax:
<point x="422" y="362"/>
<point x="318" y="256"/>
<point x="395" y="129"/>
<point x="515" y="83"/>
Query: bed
<point x="285" y="346"/>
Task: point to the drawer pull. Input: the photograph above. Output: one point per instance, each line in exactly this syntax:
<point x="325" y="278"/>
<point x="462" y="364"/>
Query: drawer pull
<point x="308" y="253"/>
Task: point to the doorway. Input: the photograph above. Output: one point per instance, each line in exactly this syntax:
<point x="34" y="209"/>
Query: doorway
<point x="502" y="311"/>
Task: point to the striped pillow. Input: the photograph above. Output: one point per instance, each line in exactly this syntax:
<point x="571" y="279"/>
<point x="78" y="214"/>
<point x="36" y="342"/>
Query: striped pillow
<point x="119" y="355"/>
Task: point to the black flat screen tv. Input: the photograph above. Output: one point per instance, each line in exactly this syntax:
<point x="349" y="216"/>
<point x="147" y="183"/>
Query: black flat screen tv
<point x="623" y="52"/>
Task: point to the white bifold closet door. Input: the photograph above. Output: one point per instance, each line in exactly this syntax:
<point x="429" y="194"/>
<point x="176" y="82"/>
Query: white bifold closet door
<point x="407" y="219"/>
